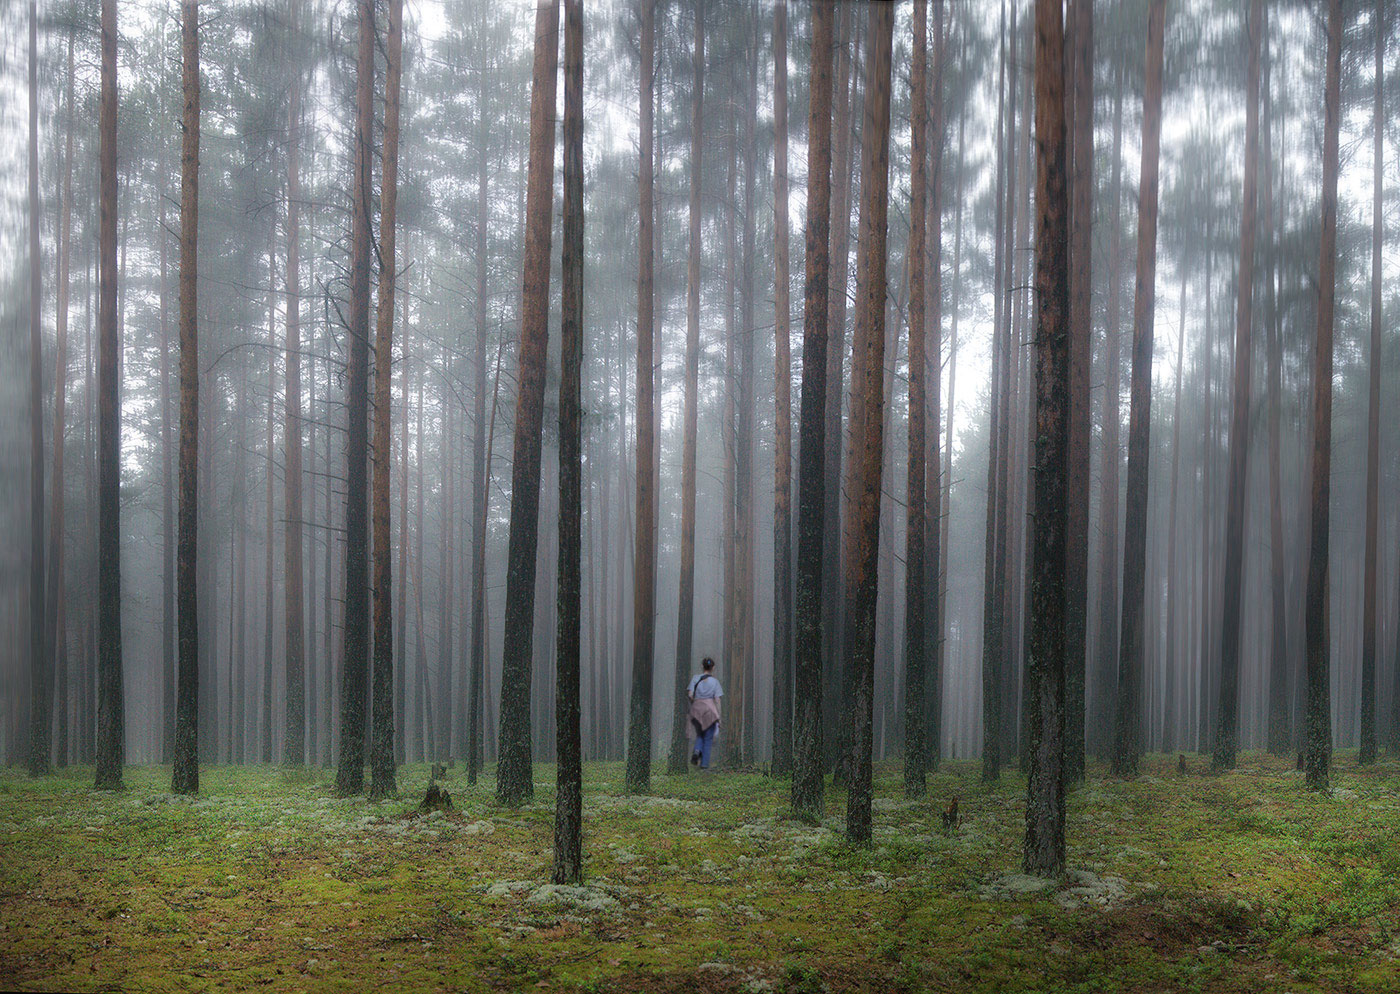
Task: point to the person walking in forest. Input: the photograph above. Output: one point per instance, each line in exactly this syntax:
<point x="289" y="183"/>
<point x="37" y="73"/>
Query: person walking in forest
<point x="702" y="726"/>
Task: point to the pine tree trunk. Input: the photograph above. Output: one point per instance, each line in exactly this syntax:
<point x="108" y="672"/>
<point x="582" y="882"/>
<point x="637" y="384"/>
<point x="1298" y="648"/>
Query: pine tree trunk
<point x="807" y="774"/>
<point x="382" y="734"/>
<point x="481" y="474"/>
<point x="782" y="406"/>
<point x="514" y="779"/>
<point x="644" y="567"/>
<point x="861" y="537"/>
<point x="1098" y="725"/>
<point x="933" y="372"/>
<point x="265" y="753"/>
<point x="350" y="771"/>
<point x="1319" y="713"/>
<point x="55" y="623"/>
<point x="685" y="612"/>
<point x="40" y="668"/>
<point x="1227" y="726"/>
<point x="110" y="750"/>
<point x="568" y="812"/>
<point x="1080" y="135"/>
<point x="915" y="643"/>
<point x="1128" y="723"/>
<point x="1370" y="623"/>
<point x="1172" y="661"/>
<point x="294" y="742"/>
<point x="1051" y="602"/>
<point x="742" y="664"/>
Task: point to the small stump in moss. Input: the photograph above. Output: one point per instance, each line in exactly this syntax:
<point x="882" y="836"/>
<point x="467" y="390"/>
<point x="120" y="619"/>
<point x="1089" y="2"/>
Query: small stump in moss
<point x="436" y="799"/>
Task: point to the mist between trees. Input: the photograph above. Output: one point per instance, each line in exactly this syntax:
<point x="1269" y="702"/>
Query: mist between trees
<point x="1153" y="390"/>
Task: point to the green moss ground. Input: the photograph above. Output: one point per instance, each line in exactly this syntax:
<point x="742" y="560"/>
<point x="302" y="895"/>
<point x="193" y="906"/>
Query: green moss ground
<point x="1238" y="882"/>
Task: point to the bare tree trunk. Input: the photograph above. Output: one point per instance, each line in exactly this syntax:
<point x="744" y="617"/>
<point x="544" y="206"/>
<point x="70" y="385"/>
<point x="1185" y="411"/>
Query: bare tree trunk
<point x="514" y="780"/>
<point x="1097" y="727"/>
<point x="992" y="603"/>
<point x="350" y="773"/>
<point x="1051" y="604"/>
<point x="55" y="623"/>
<point x="644" y="566"/>
<point x="110" y="713"/>
<point x="294" y="742"/>
<point x="40" y="668"/>
<point x="1319" y="713"/>
<point x="1227" y="727"/>
<point x="862" y="529"/>
<point x="481" y="468"/>
<point x="382" y="736"/>
<point x="1370" y="625"/>
<point x="1171" y="661"/>
<point x="1128" y="724"/>
<point x="742" y="664"/>
<point x="685" y="612"/>
<point x="915" y="643"/>
<point x="807" y="777"/>
<point x="568" y="812"/>
<point x="932" y="369"/>
<point x="1081" y="139"/>
<point x="782" y="406"/>
<point x="265" y="755"/>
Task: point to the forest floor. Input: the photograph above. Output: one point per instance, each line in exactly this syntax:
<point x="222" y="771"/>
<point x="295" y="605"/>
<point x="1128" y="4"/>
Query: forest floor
<point x="1179" y="882"/>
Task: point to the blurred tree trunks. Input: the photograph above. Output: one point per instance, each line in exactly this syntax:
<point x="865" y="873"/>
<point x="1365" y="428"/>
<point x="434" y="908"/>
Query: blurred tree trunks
<point x="743" y="663"/>
<point x="40" y="665"/>
<point x="55" y="622"/>
<point x="294" y="742"/>
<point x="992" y="601"/>
<point x="1370" y="624"/>
<point x="1128" y="719"/>
<point x="836" y="700"/>
<point x="1172" y="661"/>
<point x="807" y="755"/>
<point x="1098" y="722"/>
<point x="915" y="751"/>
<point x="1227" y="725"/>
<point x="685" y="612"/>
<point x="782" y="384"/>
<point x="1319" y="715"/>
<point x="514" y="781"/>
<point x="1279" y="732"/>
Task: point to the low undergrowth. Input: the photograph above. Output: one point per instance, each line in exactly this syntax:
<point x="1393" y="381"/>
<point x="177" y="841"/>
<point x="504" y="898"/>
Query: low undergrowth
<point x="1243" y="881"/>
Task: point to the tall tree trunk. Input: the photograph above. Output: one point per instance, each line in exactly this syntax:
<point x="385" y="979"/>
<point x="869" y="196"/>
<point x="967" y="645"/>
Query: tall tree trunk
<point x="1227" y="726"/>
<point x="1279" y="734"/>
<point x="514" y="780"/>
<point x="294" y="742"/>
<point x="1172" y="661"/>
<point x="1097" y="727"/>
<point x="1051" y="604"/>
<point x="744" y="671"/>
<point x="862" y="529"/>
<point x="685" y="612"/>
<point x="40" y="670"/>
<point x="568" y="812"/>
<point x="350" y="772"/>
<point x="265" y="755"/>
<point x="382" y="748"/>
<point x="1319" y="713"/>
<point x="933" y="372"/>
<point x="481" y="472"/>
<point x="644" y="567"/>
<point x="915" y="599"/>
<point x="54" y="622"/>
<point x="992" y="604"/>
<point x="807" y="776"/>
<point x="110" y="713"/>
<point x="1080" y="135"/>
<point x="1128" y="723"/>
<point x="1370" y="625"/>
<point x="782" y="408"/>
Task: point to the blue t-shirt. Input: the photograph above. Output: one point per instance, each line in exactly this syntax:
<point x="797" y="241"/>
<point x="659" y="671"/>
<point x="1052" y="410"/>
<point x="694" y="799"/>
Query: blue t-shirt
<point x="703" y="686"/>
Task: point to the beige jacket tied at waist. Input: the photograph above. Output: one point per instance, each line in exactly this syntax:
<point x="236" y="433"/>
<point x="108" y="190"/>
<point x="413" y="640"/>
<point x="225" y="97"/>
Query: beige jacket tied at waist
<point x="704" y="712"/>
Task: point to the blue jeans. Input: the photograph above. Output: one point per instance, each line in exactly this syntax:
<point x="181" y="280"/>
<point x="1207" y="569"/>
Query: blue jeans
<point x="703" y="742"/>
